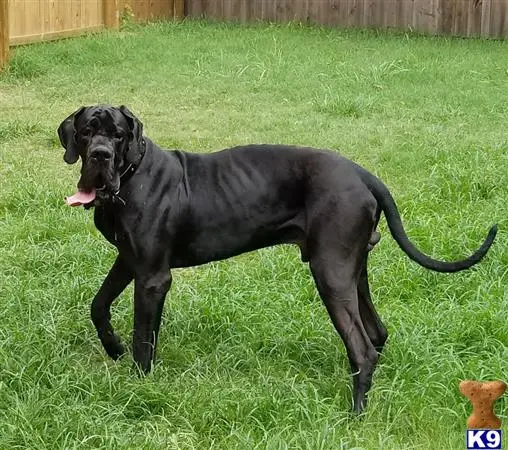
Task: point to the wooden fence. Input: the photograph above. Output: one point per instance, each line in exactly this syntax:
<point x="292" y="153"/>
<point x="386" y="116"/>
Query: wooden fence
<point x="487" y="18"/>
<point x="23" y="21"/>
<point x="39" y="20"/>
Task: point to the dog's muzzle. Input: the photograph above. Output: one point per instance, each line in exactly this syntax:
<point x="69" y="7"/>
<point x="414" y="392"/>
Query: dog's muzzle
<point x="101" y="155"/>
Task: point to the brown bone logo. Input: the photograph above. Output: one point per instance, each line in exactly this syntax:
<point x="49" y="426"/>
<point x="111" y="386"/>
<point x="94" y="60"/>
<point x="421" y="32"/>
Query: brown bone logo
<point x="483" y="396"/>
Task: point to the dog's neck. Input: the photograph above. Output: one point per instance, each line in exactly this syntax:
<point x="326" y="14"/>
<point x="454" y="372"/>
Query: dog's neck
<point x="133" y="160"/>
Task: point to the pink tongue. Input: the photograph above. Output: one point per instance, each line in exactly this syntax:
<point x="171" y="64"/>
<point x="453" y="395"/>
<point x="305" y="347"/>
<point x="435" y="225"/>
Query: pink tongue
<point x="80" y="198"/>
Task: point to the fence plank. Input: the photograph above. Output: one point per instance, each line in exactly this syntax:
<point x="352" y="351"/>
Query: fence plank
<point x="474" y="18"/>
<point x="321" y="9"/>
<point x="16" y="13"/>
<point x="460" y="14"/>
<point x="372" y="16"/>
<point x="337" y="12"/>
<point x="415" y="18"/>
<point x="406" y="14"/>
<point x="178" y="9"/>
<point x="205" y="5"/>
<point x="255" y="10"/>
<point x="227" y="10"/>
<point x="31" y="17"/>
<point x="355" y="13"/>
<point x="111" y="13"/>
<point x="425" y="15"/>
<point x="311" y="11"/>
<point x="284" y="10"/>
<point x="244" y="11"/>
<point x="301" y="11"/>
<point x="65" y="17"/>
<point x="445" y="19"/>
<point x="236" y="9"/>
<point x="216" y="9"/>
<point x="268" y="10"/>
<point x="486" y="4"/>
<point x="151" y="9"/>
<point x="377" y="13"/>
<point x="194" y="8"/>
<point x="499" y="19"/>
<point x="390" y="13"/>
<point x="74" y="13"/>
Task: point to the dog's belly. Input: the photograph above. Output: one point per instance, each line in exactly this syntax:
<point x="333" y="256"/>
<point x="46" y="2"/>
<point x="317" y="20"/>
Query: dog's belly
<point x="214" y="245"/>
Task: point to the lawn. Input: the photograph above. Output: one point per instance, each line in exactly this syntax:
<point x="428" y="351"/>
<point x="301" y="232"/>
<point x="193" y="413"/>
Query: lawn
<point x="248" y="358"/>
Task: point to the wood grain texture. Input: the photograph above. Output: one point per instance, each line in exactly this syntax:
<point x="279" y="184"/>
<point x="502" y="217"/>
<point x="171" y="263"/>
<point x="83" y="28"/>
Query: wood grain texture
<point x="4" y="33"/>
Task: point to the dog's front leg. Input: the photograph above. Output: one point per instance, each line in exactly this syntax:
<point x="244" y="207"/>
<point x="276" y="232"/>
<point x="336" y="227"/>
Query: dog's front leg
<point x="149" y="295"/>
<point x="116" y="281"/>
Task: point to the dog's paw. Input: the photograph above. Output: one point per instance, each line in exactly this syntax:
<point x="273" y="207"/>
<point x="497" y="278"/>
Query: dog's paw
<point x="114" y="347"/>
<point x="141" y="370"/>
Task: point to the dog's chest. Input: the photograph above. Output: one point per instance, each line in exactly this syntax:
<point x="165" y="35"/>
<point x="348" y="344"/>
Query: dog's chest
<point x="110" y="225"/>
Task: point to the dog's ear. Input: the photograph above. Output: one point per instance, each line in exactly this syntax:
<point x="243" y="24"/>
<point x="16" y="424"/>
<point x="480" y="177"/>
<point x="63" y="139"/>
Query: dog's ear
<point x="135" y="125"/>
<point x="67" y="135"/>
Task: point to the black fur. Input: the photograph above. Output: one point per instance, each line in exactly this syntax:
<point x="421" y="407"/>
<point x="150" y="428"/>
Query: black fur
<point x="182" y="209"/>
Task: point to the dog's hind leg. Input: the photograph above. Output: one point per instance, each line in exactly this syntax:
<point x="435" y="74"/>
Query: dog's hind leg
<point x="337" y="287"/>
<point x="371" y="321"/>
<point x="336" y="253"/>
<point x="116" y="281"/>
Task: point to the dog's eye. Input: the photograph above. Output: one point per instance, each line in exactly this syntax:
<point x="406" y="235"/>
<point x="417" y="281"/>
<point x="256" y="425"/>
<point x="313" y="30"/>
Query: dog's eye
<point x="86" y="132"/>
<point x="118" y="135"/>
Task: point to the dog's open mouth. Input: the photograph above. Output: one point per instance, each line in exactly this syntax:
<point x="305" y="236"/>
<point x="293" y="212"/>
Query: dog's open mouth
<point x="81" y="198"/>
<point x="87" y="197"/>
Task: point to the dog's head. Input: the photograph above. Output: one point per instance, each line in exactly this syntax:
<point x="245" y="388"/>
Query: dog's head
<point x="102" y="136"/>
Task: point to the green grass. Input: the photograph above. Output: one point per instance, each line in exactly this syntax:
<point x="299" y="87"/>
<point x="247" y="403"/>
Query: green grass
<point x="248" y="358"/>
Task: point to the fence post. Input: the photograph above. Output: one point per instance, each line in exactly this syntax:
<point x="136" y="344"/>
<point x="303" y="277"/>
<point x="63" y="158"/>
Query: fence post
<point x="4" y="32"/>
<point x="111" y="13"/>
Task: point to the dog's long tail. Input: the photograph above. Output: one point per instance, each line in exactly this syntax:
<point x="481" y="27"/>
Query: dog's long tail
<point x="387" y="204"/>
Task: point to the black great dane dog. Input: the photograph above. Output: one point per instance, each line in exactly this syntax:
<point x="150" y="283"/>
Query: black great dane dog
<point x="169" y="209"/>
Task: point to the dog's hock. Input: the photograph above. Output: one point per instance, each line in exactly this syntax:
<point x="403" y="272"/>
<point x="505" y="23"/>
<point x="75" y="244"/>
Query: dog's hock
<point x="483" y="396"/>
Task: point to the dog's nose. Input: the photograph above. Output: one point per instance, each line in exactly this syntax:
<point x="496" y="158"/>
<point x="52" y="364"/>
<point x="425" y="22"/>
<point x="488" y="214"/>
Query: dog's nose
<point x="101" y="154"/>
